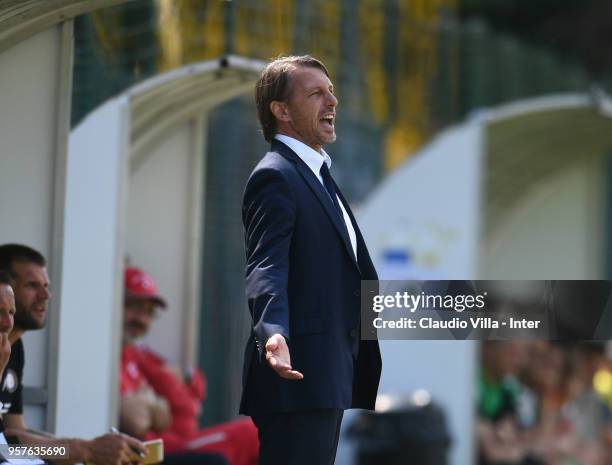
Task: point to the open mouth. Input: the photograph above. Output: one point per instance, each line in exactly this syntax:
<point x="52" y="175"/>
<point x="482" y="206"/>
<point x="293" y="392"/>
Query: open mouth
<point x="40" y="313"/>
<point x="328" y="121"/>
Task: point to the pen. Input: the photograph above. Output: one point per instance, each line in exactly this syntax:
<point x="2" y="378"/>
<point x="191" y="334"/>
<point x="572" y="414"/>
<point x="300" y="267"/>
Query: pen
<point x="141" y="454"/>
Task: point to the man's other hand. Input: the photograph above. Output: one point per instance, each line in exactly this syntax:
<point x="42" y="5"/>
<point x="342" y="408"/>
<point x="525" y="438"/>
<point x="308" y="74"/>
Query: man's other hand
<point x="277" y="355"/>
<point x="114" y="449"/>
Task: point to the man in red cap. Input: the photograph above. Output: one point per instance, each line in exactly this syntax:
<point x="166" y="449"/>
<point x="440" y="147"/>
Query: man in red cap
<point x="156" y="401"/>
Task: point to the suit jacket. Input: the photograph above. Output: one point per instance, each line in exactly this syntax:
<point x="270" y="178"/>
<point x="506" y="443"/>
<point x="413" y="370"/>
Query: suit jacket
<point x="303" y="281"/>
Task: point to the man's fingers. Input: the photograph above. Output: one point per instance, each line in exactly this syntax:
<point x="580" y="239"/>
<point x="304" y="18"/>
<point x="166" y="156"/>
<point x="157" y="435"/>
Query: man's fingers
<point x="275" y="342"/>
<point x="125" y="455"/>
<point x="271" y="345"/>
<point x="283" y="369"/>
<point x="277" y="355"/>
<point x="276" y="363"/>
<point x="135" y="445"/>
<point x="291" y="374"/>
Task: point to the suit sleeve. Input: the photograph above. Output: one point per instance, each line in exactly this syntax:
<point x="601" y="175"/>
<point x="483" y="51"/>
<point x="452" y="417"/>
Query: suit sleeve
<point x="269" y="216"/>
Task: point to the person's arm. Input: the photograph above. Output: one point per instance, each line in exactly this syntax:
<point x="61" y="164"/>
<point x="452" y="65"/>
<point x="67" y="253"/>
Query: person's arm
<point x="166" y="383"/>
<point x="196" y="382"/>
<point x="192" y="377"/>
<point x="142" y="412"/>
<point x="110" y="449"/>
<point x="268" y="214"/>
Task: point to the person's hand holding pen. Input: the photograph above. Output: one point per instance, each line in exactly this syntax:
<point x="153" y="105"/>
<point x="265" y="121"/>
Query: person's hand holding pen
<point x="114" y="448"/>
<point x="139" y="451"/>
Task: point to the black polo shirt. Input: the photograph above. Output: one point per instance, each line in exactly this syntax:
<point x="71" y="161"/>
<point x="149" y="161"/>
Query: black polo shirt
<point x="11" y="388"/>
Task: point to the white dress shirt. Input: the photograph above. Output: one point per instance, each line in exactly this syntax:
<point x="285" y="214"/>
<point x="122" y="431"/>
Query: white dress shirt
<point x="314" y="160"/>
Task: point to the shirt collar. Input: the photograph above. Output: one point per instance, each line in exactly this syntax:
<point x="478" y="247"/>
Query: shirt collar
<point x="313" y="159"/>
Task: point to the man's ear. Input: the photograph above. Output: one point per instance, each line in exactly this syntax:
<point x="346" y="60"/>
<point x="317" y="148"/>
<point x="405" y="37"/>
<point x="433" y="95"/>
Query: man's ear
<point x="280" y="111"/>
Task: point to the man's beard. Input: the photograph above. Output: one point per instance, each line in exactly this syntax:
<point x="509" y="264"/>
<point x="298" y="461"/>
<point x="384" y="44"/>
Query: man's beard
<point x="25" y="321"/>
<point x="132" y="339"/>
<point x="129" y="339"/>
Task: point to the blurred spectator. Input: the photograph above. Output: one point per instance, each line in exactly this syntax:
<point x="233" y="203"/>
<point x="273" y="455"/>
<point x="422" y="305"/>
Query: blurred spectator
<point x="582" y="416"/>
<point x="159" y="401"/>
<point x="28" y="275"/>
<point x="499" y="438"/>
<point x="550" y="413"/>
<point x="541" y="383"/>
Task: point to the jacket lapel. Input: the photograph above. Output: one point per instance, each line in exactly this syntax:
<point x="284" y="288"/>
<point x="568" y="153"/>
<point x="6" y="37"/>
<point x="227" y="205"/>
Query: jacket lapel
<point x="363" y="256"/>
<point x="320" y="193"/>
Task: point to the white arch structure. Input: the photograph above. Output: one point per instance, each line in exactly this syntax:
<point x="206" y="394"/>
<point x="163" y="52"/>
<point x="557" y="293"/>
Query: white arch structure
<point x="66" y="194"/>
<point x="431" y="210"/>
<point x="136" y="172"/>
<point x="441" y="188"/>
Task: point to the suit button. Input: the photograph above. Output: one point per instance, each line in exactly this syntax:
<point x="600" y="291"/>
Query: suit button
<point x="353" y="333"/>
<point x="357" y="293"/>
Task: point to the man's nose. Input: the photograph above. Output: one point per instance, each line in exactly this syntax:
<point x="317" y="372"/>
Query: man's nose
<point x="332" y="100"/>
<point x="45" y="294"/>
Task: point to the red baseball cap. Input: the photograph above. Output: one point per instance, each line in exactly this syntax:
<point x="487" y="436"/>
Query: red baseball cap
<point x="141" y="285"/>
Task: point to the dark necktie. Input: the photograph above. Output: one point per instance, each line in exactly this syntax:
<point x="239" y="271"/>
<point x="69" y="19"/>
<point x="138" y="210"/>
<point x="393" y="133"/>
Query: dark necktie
<point x="331" y="190"/>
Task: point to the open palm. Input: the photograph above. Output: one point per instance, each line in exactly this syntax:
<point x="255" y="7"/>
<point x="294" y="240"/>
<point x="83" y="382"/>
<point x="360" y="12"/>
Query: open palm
<point x="277" y="355"/>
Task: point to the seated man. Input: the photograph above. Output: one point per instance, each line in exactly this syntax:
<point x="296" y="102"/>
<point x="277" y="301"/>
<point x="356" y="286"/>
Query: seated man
<point x="158" y="402"/>
<point x="26" y="268"/>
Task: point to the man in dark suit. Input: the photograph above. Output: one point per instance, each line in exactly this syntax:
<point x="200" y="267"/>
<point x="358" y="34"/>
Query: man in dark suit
<point x="304" y="361"/>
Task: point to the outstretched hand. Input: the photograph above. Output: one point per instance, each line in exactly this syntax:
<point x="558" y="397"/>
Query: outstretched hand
<point x="277" y="355"/>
